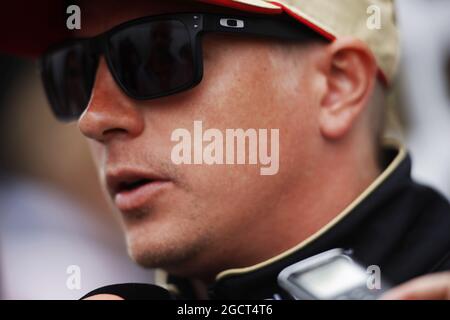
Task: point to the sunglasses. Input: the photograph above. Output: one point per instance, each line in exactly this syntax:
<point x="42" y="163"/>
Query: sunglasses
<point x="149" y="57"/>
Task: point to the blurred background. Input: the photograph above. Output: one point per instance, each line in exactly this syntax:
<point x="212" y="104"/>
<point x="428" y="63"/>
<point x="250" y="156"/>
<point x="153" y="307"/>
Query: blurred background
<point x="52" y="212"/>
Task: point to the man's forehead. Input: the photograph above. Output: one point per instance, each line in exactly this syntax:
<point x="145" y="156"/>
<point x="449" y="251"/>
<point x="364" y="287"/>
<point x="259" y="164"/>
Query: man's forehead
<point x="101" y="15"/>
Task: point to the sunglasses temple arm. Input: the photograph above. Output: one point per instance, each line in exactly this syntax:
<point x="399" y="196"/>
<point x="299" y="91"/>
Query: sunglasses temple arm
<point x="257" y="26"/>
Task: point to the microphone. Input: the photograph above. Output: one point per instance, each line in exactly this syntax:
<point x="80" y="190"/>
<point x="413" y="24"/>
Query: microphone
<point x="133" y="291"/>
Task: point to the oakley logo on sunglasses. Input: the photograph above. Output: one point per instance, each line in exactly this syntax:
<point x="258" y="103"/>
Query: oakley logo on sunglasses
<point x="232" y="23"/>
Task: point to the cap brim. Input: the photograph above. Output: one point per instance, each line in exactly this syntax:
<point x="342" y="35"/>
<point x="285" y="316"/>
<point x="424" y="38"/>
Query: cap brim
<point x="29" y="28"/>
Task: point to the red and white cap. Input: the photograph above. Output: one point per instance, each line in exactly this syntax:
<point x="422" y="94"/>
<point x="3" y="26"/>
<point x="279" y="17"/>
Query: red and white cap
<point x="28" y="27"/>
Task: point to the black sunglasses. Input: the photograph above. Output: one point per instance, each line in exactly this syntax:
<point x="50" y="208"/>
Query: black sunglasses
<point x="149" y="57"/>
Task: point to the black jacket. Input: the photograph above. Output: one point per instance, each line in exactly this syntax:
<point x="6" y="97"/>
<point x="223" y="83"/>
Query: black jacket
<point x="397" y="224"/>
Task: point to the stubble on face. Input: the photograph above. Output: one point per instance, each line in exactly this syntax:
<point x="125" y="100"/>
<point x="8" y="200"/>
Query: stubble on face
<point x="199" y="227"/>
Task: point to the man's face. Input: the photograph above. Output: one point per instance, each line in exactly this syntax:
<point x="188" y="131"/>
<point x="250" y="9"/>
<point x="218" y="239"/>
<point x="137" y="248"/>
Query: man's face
<point x="198" y="218"/>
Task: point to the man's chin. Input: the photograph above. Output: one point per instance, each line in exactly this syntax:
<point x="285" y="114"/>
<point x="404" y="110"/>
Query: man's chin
<point x="167" y="254"/>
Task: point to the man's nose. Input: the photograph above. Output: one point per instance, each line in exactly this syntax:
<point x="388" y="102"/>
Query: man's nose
<point x="110" y="113"/>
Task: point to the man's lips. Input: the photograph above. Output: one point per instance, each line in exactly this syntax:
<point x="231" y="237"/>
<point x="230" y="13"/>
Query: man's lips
<point x="132" y="189"/>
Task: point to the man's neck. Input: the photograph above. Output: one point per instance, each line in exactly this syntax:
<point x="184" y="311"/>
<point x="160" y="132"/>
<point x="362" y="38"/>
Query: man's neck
<point x="301" y="213"/>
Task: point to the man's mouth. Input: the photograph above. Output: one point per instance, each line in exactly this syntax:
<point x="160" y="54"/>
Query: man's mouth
<point x="132" y="189"/>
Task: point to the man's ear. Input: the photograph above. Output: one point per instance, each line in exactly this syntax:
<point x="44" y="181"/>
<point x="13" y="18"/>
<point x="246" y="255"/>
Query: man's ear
<point x="350" y="70"/>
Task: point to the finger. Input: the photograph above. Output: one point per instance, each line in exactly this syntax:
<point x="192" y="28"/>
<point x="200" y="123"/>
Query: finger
<point x="430" y="287"/>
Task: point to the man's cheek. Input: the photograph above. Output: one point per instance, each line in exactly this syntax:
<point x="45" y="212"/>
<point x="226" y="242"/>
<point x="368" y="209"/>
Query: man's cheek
<point x="97" y="152"/>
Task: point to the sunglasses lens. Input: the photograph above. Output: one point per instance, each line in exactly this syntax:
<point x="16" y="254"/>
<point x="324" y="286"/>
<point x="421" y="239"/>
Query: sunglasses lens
<point x="152" y="59"/>
<point x="68" y="76"/>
